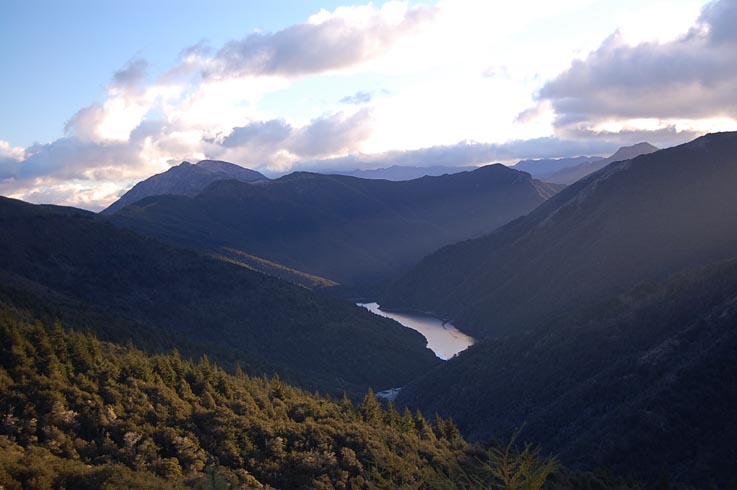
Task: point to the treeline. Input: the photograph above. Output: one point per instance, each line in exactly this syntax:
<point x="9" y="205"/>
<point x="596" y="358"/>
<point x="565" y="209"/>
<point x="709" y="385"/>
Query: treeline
<point x="76" y="412"/>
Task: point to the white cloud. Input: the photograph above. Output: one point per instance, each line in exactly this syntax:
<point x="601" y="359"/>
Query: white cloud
<point x="328" y="41"/>
<point x="8" y="151"/>
<point x="688" y="83"/>
<point x="404" y="82"/>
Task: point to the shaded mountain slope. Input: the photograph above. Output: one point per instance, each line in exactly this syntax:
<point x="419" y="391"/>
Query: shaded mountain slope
<point x="74" y="259"/>
<point x="641" y="219"/>
<point x="572" y="174"/>
<point x="185" y="179"/>
<point x="345" y="229"/>
<point x="644" y="384"/>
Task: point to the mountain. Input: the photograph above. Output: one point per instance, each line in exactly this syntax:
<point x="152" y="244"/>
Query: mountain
<point x="357" y="232"/>
<point x="644" y="383"/>
<point x="75" y="265"/>
<point x="636" y="220"/>
<point x="401" y="172"/>
<point x="544" y="167"/>
<point x="572" y="174"/>
<point x="185" y="179"/>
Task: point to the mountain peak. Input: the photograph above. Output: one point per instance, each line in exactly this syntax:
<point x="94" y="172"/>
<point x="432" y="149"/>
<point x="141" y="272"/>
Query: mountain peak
<point x="572" y="174"/>
<point x="185" y="179"/>
<point x="639" y="219"/>
<point x="632" y="151"/>
<point x="334" y="226"/>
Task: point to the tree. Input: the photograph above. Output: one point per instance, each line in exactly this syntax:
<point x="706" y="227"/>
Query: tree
<point x="370" y="408"/>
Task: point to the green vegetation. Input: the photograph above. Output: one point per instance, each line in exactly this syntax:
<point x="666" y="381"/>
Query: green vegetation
<point x="76" y="412"/>
<point x="77" y="267"/>
<point x="273" y="269"/>
<point x="503" y="468"/>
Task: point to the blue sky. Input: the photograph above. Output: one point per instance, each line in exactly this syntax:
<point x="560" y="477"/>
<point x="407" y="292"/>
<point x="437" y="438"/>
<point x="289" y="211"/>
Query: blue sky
<point x="62" y="53"/>
<point x="97" y="95"/>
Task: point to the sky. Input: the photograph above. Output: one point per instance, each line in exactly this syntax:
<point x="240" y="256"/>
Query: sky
<point x="98" y="95"/>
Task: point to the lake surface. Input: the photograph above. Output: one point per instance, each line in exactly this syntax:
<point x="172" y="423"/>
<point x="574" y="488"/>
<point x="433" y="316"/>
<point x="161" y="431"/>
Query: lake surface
<point x="442" y="338"/>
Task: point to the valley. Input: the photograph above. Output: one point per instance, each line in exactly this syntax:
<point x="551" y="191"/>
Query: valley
<point x="630" y="328"/>
<point x="378" y="245"/>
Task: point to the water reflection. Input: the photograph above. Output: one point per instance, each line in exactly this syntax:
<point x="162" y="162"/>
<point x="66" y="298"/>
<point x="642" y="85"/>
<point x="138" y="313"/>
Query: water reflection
<point x="442" y="338"/>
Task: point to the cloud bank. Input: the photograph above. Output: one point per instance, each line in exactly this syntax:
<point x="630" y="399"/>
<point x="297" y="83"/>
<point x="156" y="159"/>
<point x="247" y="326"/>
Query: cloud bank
<point x="219" y="103"/>
<point x="468" y="153"/>
<point x="683" y="84"/>
<point x="329" y="41"/>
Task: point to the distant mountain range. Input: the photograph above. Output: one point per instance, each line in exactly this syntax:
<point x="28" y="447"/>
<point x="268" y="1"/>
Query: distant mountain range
<point x="566" y="171"/>
<point x="73" y="265"/>
<point x="342" y="229"/>
<point x="569" y="175"/>
<point x="544" y="167"/>
<point x="400" y="172"/>
<point x="185" y="179"/>
<point x="634" y="220"/>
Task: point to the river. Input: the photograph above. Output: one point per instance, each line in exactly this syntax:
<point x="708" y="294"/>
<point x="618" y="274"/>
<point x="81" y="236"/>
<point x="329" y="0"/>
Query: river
<point x="442" y="338"/>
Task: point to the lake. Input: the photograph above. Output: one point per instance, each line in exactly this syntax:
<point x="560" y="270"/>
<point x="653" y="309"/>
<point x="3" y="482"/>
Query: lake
<point x="442" y="338"/>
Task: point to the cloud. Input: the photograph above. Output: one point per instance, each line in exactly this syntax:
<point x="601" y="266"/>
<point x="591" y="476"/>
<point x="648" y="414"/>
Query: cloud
<point x="72" y="158"/>
<point x="259" y="134"/>
<point x="334" y="134"/>
<point x="357" y="98"/>
<point x="329" y="41"/>
<point x="277" y="144"/>
<point x="468" y="153"/>
<point x="71" y="193"/>
<point x="8" y="151"/>
<point x="272" y="100"/>
<point x="132" y="76"/>
<point x="206" y="106"/>
<point x="691" y="78"/>
<point x="10" y="158"/>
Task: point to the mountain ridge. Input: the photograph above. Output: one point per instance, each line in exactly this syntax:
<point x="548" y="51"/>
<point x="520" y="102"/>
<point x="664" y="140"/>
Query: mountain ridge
<point x="78" y="262"/>
<point x="540" y="168"/>
<point x="594" y="237"/>
<point x="570" y="175"/>
<point x="402" y="172"/>
<point x="185" y="179"/>
<point x="345" y="229"/>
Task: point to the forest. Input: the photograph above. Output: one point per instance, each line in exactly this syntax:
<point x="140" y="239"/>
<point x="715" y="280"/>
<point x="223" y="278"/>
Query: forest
<point x="77" y="412"/>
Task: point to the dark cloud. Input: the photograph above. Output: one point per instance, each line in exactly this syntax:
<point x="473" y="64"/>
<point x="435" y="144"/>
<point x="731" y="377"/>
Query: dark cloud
<point x="314" y="48"/>
<point x="357" y="98"/>
<point x="72" y="158"/>
<point x="662" y="137"/>
<point x="692" y="77"/>
<point x="469" y="153"/>
<point x="9" y="168"/>
<point x="262" y="133"/>
<point x="132" y="75"/>
<point x="332" y="134"/>
<point x="326" y="135"/>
